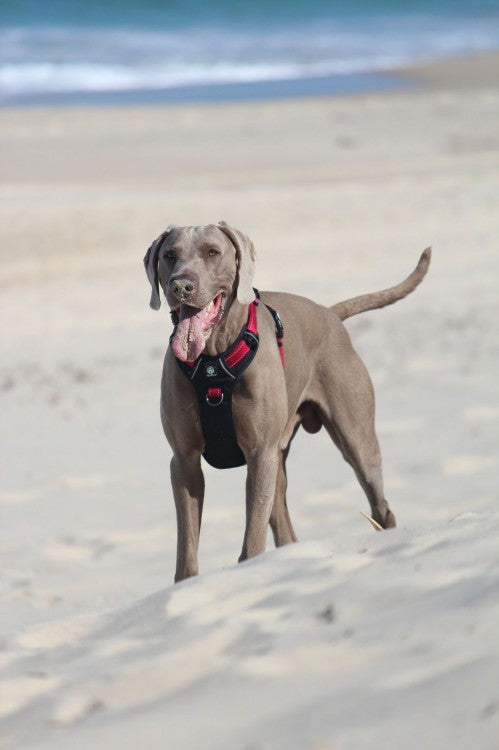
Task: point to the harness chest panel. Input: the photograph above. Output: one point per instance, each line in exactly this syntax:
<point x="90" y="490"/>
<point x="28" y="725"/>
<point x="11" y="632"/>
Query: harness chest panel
<point x="214" y="379"/>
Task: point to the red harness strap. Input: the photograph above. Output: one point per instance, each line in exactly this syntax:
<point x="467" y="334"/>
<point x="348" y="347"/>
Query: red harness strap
<point x="242" y="348"/>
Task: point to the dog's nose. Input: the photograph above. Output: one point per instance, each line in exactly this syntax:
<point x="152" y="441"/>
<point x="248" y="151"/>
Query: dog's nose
<point x="181" y="288"/>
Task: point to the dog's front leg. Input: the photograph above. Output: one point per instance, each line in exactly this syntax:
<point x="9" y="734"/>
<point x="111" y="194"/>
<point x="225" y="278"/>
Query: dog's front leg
<point x="188" y="491"/>
<point x="260" y="490"/>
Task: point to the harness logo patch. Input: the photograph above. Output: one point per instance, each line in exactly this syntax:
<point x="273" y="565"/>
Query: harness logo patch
<point x="210" y="371"/>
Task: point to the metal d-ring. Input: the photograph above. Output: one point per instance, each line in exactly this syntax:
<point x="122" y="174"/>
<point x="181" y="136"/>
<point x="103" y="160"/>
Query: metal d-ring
<point x="214" y="403"/>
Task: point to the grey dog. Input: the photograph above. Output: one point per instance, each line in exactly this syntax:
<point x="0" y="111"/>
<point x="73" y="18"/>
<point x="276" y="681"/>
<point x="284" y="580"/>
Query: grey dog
<point x="206" y="274"/>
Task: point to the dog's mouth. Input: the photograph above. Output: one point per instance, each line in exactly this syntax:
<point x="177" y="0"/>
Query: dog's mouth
<point x="194" y="327"/>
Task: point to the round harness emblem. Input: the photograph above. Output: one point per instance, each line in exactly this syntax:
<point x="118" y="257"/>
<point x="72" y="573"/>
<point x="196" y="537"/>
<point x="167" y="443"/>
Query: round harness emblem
<point x="210" y="371"/>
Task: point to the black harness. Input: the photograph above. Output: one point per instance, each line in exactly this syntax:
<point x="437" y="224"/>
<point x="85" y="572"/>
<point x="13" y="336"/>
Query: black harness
<point x="214" y="379"/>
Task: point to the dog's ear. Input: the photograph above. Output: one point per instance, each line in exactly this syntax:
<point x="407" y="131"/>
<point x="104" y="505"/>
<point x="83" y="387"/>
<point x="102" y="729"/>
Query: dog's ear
<point x="151" y="266"/>
<point x="245" y="256"/>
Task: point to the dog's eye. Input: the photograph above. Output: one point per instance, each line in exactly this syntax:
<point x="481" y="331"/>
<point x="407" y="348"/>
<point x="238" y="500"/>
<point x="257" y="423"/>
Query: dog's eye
<point x="213" y="252"/>
<point x="170" y="255"/>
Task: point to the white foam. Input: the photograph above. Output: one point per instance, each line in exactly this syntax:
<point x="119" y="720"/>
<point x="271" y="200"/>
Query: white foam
<point x="62" y="59"/>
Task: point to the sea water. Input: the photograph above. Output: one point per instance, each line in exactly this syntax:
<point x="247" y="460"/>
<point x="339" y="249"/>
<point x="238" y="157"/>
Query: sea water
<point x="171" y="50"/>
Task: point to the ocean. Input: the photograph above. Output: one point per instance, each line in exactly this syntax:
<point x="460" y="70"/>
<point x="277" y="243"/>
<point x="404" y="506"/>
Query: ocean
<point x="188" y="50"/>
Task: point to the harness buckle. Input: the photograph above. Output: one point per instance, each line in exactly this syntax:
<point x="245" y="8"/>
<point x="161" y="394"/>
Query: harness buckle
<point x="251" y="339"/>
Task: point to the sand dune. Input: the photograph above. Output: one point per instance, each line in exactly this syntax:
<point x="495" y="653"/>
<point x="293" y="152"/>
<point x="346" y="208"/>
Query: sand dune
<point x="378" y="639"/>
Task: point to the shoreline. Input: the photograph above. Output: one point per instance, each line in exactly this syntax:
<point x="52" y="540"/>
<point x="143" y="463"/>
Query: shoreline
<point x="478" y="69"/>
<point x="223" y="93"/>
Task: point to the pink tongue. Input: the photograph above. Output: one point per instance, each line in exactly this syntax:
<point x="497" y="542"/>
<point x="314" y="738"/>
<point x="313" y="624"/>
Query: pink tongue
<point x="192" y="328"/>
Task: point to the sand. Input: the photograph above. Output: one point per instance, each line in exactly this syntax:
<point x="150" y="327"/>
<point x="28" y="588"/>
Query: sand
<point x="349" y="639"/>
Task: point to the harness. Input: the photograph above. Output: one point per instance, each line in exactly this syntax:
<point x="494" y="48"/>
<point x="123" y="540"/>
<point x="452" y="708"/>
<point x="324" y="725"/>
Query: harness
<point x="214" y="379"/>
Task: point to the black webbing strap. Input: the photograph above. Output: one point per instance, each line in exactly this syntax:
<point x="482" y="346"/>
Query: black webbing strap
<point x="214" y="382"/>
<point x="279" y="328"/>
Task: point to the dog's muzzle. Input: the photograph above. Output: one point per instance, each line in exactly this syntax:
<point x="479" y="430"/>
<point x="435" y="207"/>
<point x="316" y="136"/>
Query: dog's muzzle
<point x="182" y="289"/>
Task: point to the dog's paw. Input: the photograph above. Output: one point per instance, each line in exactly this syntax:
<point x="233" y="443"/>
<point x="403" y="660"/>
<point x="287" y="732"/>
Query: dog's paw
<point x="390" y="521"/>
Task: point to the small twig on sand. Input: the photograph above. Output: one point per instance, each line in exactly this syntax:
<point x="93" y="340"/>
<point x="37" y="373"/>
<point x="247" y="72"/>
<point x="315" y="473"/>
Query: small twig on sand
<point x="374" y="523"/>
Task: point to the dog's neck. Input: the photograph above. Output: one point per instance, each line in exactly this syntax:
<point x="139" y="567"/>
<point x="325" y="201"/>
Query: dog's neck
<point x="226" y="332"/>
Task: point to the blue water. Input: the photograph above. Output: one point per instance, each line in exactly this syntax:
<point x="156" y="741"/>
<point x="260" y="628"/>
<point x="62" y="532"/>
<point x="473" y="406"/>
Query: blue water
<point x="84" y="50"/>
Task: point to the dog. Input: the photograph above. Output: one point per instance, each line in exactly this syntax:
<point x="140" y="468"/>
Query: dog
<point x="206" y="274"/>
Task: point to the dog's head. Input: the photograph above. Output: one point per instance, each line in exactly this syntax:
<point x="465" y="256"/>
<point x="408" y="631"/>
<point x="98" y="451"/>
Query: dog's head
<point x="201" y="270"/>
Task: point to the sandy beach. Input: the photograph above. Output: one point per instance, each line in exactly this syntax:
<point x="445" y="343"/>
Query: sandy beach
<point x="349" y="639"/>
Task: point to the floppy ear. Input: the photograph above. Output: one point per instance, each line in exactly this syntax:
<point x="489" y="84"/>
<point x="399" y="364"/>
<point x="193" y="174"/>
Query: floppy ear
<point x="245" y="256"/>
<point x="151" y="266"/>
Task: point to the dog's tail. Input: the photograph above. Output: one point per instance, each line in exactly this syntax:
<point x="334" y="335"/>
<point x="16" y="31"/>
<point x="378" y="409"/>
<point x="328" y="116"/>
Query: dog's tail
<point x="365" y="302"/>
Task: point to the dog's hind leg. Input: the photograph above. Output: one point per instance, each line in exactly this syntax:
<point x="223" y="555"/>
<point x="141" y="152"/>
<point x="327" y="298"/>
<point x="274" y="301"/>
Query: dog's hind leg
<point x="367" y="467"/>
<point x="280" y="522"/>
<point x="260" y="488"/>
<point x="363" y="454"/>
<point x="350" y="423"/>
